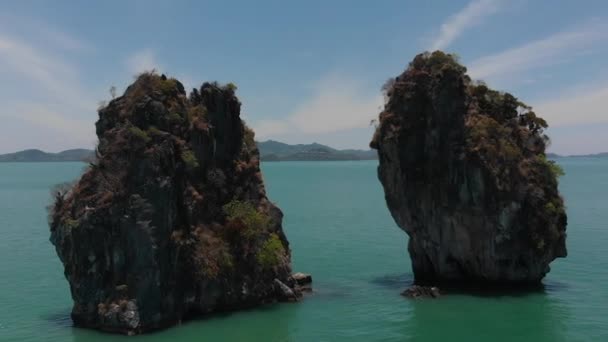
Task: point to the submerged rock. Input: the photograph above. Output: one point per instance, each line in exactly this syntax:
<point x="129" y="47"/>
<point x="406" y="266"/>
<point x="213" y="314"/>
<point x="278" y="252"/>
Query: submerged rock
<point x="465" y="175"/>
<point x="417" y="291"/>
<point x="171" y="219"/>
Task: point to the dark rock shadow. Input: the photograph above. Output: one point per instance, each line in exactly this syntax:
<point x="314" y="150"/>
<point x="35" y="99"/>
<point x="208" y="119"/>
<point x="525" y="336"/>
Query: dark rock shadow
<point x="491" y="316"/>
<point x="400" y="282"/>
<point x="394" y="281"/>
<point x="61" y="319"/>
<point x="327" y="291"/>
<point x="493" y="290"/>
<point x="552" y="286"/>
<point x="192" y="321"/>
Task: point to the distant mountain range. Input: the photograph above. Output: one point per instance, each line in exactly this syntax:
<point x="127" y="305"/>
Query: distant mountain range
<point x="270" y="150"/>
<point x="594" y="155"/>
<point x="78" y="154"/>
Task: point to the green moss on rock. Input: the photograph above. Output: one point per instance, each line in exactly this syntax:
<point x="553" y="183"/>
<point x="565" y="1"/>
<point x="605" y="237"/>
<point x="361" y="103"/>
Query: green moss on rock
<point x="189" y="159"/>
<point x="254" y="220"/>
<point x="271" y="252"/>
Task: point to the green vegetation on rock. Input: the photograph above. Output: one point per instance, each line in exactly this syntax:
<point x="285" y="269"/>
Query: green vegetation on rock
<point x="70" y="223"/>
<point x="555" y="169"/>
<point x="139" y="134"/>
<point x="231" y="86"/>
<point x="189" y="159"/>
<point x="175" y="118"/>
<point x="253" y="220"/>
<point x="153" y="131"/>
<point x="213" y="255"/>
<point x="167" y="85"/>
<point x="271" y="252"/>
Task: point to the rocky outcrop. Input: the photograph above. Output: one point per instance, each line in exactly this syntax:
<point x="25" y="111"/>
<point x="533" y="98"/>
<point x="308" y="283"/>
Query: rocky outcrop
<point x="303" y="281"/>
<point x="171" y="219"/>
<point x="417" y="291"/>
<point x="302" y="278"/>
<point x="465" y="175"/>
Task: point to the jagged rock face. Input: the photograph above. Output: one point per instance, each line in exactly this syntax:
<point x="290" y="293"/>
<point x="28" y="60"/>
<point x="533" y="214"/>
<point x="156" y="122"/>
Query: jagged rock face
<point x="465" y="176"/>
<point x="172" y="218"/>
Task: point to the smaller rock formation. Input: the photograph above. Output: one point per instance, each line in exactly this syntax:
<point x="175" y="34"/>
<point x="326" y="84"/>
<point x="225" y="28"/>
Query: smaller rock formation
<point x="171" y="220"/>
<point x="302" y="278"/>
<point x="303" y="281"/>
<point x="285" y="292"/>
<point x="417" y="291"/>
<point x="465" y="175"/>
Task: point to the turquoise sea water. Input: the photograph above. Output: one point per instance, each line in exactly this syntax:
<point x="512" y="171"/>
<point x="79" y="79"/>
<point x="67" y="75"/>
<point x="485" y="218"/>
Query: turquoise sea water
<point x="342" y="233"/>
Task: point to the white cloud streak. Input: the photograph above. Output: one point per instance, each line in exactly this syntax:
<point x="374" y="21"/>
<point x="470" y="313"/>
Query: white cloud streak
<point x="585" y="106"/>
<point x="42" y="33"/>
<point x="540" y="53"/>
<point x="270" y="128"/>
<point x="81" y="131"/>
<point x="337" y="105"/>
<point x="58" y="79"/>
<point x="30" y="62"/>
<point x="65" y="41"/>
<point x="470" y="16"/>
<point x="144" y="60"/>
<point x="571" y="109"/>
<point x="39" y="81"/>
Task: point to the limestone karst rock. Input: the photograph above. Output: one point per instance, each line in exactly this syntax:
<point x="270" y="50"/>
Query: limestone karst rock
<point x="171" y="219"/>
<point x="465" y="175"/>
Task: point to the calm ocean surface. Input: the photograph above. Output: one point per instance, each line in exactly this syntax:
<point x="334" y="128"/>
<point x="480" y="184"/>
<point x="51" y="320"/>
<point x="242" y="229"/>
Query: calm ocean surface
<point x="341" y="232"/>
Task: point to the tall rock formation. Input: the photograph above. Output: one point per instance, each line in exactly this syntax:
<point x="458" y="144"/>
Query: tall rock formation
<point x="466" y="177"/>
<point x="171" y="219"/>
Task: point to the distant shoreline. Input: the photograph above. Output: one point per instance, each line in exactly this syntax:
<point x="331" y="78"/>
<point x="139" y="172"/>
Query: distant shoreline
<point x="592" y="155"/>
<point x="270" y="151"/>
<point x="261" y="160"/>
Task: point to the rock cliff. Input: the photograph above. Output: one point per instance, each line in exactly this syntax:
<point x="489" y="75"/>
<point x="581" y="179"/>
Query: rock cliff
<point x="466" y="177"/>
<point x="171" y="219"/>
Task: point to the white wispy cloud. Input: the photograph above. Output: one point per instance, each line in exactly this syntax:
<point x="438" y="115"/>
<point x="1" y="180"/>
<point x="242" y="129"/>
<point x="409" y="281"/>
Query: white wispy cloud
<point x="338" y="104"/>
<point x="40" y="80"/>
<point x="66" y="41"/>
<point x="42" y="33"/>
<point x="31" y="62"/>
<point x="140" y="61"/>
<point x="586" y="105"/>
<point x="81" y="131"/>
<point x="557" y="48"/>
<point x="568" y="108"/>
<point x="470" y="16"/>
<point x="45" y="71"/>
<point x="269" y="128"/>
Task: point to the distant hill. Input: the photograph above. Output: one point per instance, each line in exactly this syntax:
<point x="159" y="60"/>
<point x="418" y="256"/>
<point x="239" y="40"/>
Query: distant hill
<point x="271" y="150"/>
<point x="594" y="155"/>
<point x="41" y="156"/>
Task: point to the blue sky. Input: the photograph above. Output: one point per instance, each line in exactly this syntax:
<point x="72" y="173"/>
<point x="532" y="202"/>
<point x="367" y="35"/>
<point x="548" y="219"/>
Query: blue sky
<point x="306" y="71"/>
